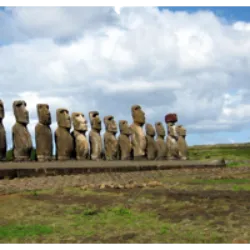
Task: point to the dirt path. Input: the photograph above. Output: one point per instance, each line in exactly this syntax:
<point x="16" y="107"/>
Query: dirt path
<point x="114" y="180"/>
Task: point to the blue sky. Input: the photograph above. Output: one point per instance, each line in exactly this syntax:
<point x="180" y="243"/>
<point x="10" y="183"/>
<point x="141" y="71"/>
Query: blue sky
<point x="21" y="67"/>
<point x="231" y="14"/>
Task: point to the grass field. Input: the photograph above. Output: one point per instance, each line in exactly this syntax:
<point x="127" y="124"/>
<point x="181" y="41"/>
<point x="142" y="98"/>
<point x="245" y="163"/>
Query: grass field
<point x="231" y="152"/>
<point x="190" y="206"/>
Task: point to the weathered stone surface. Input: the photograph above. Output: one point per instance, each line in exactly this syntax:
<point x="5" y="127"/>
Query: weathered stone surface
<point x="95" y="140"/>
<point x="182" y="144"/>
<point x="172" y="138"/>
<point x="22" y="143"/>
<point x="3" y="143"/>
<point x="160" y="142"/>
<point x="63" y="139"/>
<point x="124" y="142"/>
<point x="79" y="134"/>
<point x="110" y="141"/>
<point x="43" y="134"/>
<point x="138" y="138"/>
<point x="151" y="150"/>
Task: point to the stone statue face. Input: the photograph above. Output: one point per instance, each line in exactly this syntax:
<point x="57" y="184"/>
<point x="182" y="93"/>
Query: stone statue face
<point x="172" y="131"/>
<point x="63" y="118"/>
<point x="43" y="113"/>
<point x="150" y="130"/>
<point x="20" y="112"/>
<point x="181" y="131"/>
<point x="138" y="115"/>
<point x="1" y="110"/>
<point x="160" y="131"/>
<point x="79" y="121"/>
<point x="95" y="120"/>
<point x="110" y="124"/>
<point x="124" y="128"/>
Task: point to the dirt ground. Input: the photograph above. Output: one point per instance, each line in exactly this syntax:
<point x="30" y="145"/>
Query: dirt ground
<point x="168" y="206"/>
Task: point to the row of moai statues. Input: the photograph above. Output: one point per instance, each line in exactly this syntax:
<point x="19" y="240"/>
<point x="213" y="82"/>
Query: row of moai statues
<point x="132" y="143"/>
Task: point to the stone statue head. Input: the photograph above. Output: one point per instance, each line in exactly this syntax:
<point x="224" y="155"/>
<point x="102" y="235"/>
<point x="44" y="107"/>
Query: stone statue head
<point x="138" y="115"/>
<point x="95" y="120"/>
<point x="20" y="112"/>
<point x="160" y="131"/>
<point x="80" y="123"/>
<point x="43" y="113"/>
<point x="181" y="131"/>
<point x="171" y="118"/>
<point x="63" y="118"/>
<point x="124" y="128"/>
<point x="110" y="124"/>
<point x="1" y="110"/>
<point x="150" y="130"/>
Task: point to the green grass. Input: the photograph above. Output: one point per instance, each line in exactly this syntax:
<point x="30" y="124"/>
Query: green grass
<point x="193" y="207"/>
<point x="222" y="181"/>
<point x="229" y="152"/>
<point x="22" y="231"/>
<point x="152" y="217"/>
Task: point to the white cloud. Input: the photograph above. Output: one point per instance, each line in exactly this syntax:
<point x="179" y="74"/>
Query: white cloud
<point x="93" y="59"/>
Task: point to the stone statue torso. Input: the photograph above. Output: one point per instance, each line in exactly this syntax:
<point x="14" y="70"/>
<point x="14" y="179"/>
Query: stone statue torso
<point x="81" y="146"/>
<point x="44" y="144"/>
<point x="124" y="147"/>
<point x="183" y="148"/>
<point x="151" y="148"/>
<point x="95" y="143"/>
<point x="110" y="146"/>
<point x="161" y="149"/>
<point x="64" y="144"/>
<point x="138" y="141"/>
<point x="3" y="144"/>
<point x="22" y="143"/>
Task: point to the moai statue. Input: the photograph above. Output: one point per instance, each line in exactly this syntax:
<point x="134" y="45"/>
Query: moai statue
<point x="21" y="138"/>
<point x="172" y="138"/>
<point x="182" y="144"/>
<point x="151" y="150"/>
<point x="160" y="142"/>
<point x="138" y="138"/>
<point x="63" y="139"/>
<point x="124" y="142"/>
<point x="110" y="141"/>
<point x="43" y="134"/>
<point x="95" y="140"/>
<point x="81" y="143"/>
<point x="3" y="144"/>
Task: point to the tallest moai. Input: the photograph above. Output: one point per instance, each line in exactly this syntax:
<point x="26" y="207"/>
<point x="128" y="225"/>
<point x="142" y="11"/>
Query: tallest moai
<point x="138" y="137"/>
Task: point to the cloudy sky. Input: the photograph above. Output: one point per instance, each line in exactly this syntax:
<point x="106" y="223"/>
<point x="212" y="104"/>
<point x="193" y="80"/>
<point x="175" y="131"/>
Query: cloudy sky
<point x="192" y="61"/>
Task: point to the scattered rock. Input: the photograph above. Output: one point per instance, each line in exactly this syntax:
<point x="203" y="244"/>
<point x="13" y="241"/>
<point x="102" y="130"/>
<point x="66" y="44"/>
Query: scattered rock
<point x="154" y="184"/>
<point x="103" y="186"/>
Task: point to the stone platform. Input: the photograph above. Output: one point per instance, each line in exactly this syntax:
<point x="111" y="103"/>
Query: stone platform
<point x="31" y="169"/>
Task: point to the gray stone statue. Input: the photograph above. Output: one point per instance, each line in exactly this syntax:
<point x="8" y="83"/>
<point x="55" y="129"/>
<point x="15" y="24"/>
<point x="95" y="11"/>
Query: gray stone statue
<point x="21" y="138"/>
<point x="3" y="144"/>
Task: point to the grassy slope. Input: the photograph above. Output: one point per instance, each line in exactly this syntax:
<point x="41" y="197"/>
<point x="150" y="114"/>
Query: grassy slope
<point x="231" y="152"/>
<point x="193" y="207"/>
